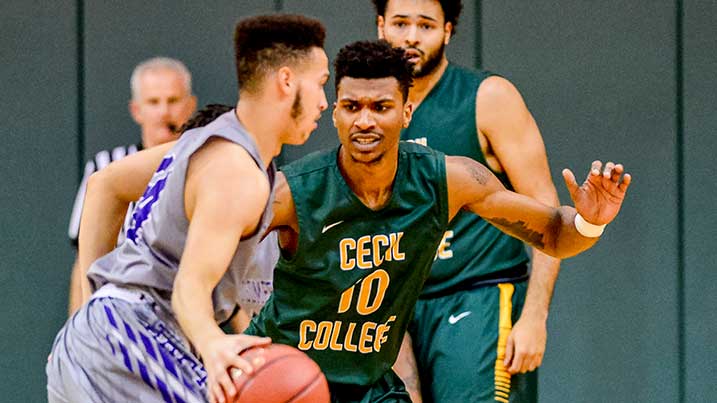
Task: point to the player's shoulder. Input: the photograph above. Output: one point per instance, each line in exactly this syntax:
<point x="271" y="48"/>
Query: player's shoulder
<point x="418" y="155"/>
<point x="463" y="74"/>
<point x="311" y="163"/>
<point x="416" y="148"/>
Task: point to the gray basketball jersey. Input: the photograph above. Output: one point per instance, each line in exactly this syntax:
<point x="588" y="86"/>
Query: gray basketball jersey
<point x="149" y="257"/>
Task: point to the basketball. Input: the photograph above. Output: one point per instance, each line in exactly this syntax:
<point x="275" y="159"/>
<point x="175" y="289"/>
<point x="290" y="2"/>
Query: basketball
<point x="287" y="376"/>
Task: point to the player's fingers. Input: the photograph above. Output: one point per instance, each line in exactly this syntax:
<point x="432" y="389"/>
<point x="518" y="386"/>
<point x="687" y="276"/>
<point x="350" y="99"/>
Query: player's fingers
<point x="607" y="170"/>
<point x="509" y="345"/>
<point x="227" y="385"/>
<point x="517" y="360"/>
<point x="241" y="364"/>
<point x="517" y="364"/>
<point x="570" y="182"/>
<point x="532" y="363"/>
<point x="216" y="395"/>
<point x="626" y="180"/>
<point x="596" y="173"/>
<point x="244" y="341"/>
<point x="616" y="173"/>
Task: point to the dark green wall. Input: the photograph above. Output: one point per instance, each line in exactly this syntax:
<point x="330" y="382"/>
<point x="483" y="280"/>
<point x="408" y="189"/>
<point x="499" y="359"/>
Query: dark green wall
<point x="38" y="106"/>
<point x="632" y="319"/>
<point x="600" y="80"/>
<point x="700" y="189"/>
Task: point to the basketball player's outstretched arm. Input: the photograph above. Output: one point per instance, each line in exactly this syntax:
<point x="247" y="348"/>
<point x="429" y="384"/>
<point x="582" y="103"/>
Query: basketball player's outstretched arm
<point x="504" y="121"/>
<point x="471" y="186"/>
<point x="109" y="192"/>
<point x="224" y="196"/>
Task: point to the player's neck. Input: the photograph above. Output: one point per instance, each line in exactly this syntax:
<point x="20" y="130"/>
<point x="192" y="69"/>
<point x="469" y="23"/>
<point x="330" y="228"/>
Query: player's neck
<point x="262" y="125"/>
<point x="371" y="183"/>
<point x="423" y="85"/>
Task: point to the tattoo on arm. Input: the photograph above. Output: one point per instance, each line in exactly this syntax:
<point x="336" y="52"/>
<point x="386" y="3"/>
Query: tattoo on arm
<point x="477" y="171"/>
<point x="521" y="230"/>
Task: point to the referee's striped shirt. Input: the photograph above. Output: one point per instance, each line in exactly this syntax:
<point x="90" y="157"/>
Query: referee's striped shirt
<point x="101" y="160"/>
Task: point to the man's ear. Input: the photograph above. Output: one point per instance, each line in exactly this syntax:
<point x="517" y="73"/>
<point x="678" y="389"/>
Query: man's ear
<point x="285" y="78"/>
<point x="134" y="111"/>
<point x="447" y="33"/>
<point x="379" y="27"/>
<point x="333" y="114"/>
<point x="407" y="114"/>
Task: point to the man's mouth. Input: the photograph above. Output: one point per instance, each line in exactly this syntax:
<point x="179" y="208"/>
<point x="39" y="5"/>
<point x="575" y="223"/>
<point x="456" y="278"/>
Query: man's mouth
<point x="365" y="141"/>
<point x="413" y="54"/>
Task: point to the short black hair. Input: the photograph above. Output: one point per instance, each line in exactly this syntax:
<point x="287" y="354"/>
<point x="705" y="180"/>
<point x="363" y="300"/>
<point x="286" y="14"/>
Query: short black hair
<point x="265" y="42"/>
<point x="204" y="116"/>
<point x="451" y="10"/>
<point x="374" y="59"/>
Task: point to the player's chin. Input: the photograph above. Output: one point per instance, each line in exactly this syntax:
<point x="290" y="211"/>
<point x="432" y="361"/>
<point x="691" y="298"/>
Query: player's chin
<point x="367" y="157"/>
<point x="299" y="139"/>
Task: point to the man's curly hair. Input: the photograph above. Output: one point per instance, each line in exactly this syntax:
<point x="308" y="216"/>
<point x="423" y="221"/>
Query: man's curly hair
<point x="374" y="59"/>
<point x="451" y="10"/>
<point x="204" y="116"/>
<point x="266" y="42"/>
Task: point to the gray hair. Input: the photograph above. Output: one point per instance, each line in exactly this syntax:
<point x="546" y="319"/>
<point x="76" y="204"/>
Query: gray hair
<point x="159" y="63"/>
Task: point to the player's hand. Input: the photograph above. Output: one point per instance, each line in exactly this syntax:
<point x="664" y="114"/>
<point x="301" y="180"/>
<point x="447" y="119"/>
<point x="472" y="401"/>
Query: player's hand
<point x="600" y="197"/>
<point x="526" y="345"/>
<point x="223" y="363"/>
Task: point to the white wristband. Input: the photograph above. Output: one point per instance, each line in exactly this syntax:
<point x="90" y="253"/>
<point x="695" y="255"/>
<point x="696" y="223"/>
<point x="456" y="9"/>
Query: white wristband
<point x="587" y="229"/>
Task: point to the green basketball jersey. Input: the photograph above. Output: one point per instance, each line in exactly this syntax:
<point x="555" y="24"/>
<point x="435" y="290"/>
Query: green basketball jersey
<point x="347" y="295"/>
<point x="472" y="248"/>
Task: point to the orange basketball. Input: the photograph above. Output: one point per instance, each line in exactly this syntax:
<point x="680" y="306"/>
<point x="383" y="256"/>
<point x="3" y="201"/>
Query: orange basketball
<point x="287" y="376"/>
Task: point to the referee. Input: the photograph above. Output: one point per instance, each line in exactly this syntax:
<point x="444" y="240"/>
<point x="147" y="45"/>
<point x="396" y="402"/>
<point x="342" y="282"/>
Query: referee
<point x="162" y="101"/>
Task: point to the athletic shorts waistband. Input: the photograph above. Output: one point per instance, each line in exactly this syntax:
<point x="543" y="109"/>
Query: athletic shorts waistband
<point x="132" y="295"/>
<point x="515" y="274"/>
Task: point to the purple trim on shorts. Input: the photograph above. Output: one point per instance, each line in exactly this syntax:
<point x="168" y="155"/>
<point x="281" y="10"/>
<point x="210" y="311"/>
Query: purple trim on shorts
<point x="130" y="332"/>
<point x="188" y="384"/>
<point x="148" y="346"/>
<point x="167" y="360"/>
<point x="163" y="389"/>
<point x="145" y="375"/>
<point x="125" y="354"/>
<point x="110" y="317"/>
<point x="107" y="337"/>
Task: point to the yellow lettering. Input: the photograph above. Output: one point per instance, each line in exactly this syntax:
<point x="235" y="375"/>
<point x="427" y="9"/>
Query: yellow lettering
<point x="443" y="251"/>
<point x="366" y="337"/>
<point x="395" y="245"/>
<point x="378" y="240"/>
<point x="345" y="302"/>
<point x="323" y="334"/>
<point x="305" y="327"/>
<point x="381" y="336"/>
<point x="363" y="306"/>
<point x="345" y="245"/>
<point x="362" y="252"/>
<point x="335" y="345"/>
<point x="349" y="335"/>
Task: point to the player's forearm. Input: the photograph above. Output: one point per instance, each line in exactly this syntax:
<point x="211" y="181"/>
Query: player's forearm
<point x="192" y="305"/>
<point x="544" y="274"/>
<point x="551" y="230"/>
<point x="407" y="369"/>
<point x="560" y="238"/>
<point x="102" y="218"/>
